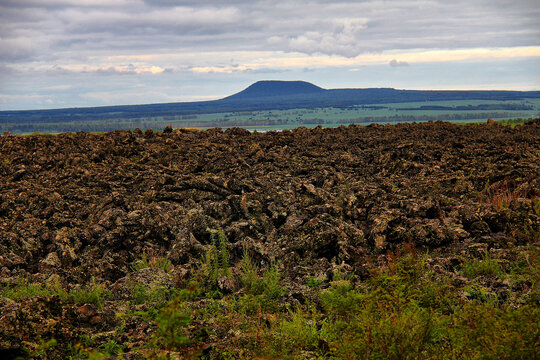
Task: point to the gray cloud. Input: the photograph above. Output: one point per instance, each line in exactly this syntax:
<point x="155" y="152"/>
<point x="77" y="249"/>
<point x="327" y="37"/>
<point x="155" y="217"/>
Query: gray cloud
<point x="395" y="63"/>
<point x="346" y="28"/>
<point x="37" y="36"/>
<point x="16" y="49"/>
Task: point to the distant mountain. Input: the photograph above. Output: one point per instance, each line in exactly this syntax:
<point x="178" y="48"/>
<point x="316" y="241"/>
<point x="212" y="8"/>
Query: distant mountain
<point x="260" y="96"/>
<point x="272" y="88"/>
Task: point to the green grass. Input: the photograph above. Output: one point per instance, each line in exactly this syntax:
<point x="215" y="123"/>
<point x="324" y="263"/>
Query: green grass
<point x="171" y="322"/>
<point x="111" y="348"/>
<point x="24" y="289"/>
<point x="486" y="267"/>
<point x="404" y="310"/>
<point x="156" y="262"/>
<point x="513" y="122"/>
<point x="92" y="293"/>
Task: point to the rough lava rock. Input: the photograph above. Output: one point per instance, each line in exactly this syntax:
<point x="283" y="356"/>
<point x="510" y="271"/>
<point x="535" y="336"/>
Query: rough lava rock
<point x="83" y="206"/>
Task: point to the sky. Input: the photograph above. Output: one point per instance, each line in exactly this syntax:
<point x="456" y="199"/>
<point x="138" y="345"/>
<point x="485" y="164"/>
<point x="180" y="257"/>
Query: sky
<point x="76" y="53"/>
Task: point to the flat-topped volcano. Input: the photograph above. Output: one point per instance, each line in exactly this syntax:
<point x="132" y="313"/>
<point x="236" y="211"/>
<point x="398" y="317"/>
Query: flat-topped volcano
<point x="269" y="88"/>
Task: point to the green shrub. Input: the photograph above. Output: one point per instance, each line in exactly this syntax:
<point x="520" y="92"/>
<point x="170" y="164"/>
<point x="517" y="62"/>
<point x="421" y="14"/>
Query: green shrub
<point x="403" y="312"/>
<point x="487" y="267"/>
<point x="24" y="289"/>
<point x="220" y="243"/>
<point x="269" y="285"/>
<point x="249" y="271"/>
<point x="249" y="304"/>
<point x="156" y="262"/>
<point x="272" y="288"/>
<point x="479" y="331"/>
<point x="94" y="293"/>
<point x="535" y="202"/>
<point x="111" y="348"/>
<point x="340" y="300"/>
<point x="171" y="322"/>
<point x="480" y="294"/>
<point x="299" y="331"/>
<point x="158" y="295"/>
<point x="313" y="282"/>
<point x="405" y="334"/>
<point x="214" y="263"/>
<point x="91" y="294"/>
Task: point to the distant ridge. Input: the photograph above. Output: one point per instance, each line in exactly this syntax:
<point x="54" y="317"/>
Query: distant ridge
<point x="265" y="95"/>
<point x="272" y="88"/>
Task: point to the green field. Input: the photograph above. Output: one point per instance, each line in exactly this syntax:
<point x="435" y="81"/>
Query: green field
<point x="454" y="111"/>
<point x="366" y="114"/>
<point x="360" y="114"/>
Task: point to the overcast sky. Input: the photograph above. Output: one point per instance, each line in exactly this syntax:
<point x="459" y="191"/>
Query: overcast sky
<point x="72" y="53"/>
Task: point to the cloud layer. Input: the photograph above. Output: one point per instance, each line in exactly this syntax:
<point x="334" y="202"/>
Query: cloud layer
<point x="186" y="39"/>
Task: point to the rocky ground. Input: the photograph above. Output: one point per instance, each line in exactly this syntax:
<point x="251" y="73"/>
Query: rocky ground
<point x="82" y="212"/>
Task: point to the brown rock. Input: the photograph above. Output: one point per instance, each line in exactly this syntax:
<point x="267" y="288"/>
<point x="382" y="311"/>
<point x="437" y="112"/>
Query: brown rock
<point x="225" y="285"/>
<point x="51" y="261"/>
<point x="87" y="311"/>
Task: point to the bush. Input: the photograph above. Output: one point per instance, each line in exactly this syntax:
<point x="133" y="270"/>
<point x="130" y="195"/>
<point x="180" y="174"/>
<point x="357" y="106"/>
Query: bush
<point x="171" y="323"/>
<point x="92" y="294"/>
<point x="214" y="263"/>
<point x="487" y="267"/>
<point x="250" y="279"/>
<point x="159" y="295"/>
<point x="156" y="262"/>
<point x="23" y="289"/>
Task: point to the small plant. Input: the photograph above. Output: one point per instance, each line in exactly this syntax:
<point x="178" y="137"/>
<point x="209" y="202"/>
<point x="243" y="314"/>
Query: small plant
<point x="536" y="205"/>
<point x="171" y="323"/>
<point x="111" y="348"/>
<point x="479" y="293"/>
<point x="41" y="351"/>
<point x="23" y="289"/>
<point x="487" y="266"/>
<point x="93" y="294"/>
<point x="272" y="288"/>
<point x="341" y="300"/>
<point x="80" y="351"/>
<point x="262" y="292"/>
<point x="501" y="194"/>
<point x="223" y="254"/>
<point x="215" y="262"/>
<point x="159" y="295"/>
<point x="152" y="261"/>
<point x="313" y="282"/>
<point x="249" y="270"/>
<point x="268" y="286"/>
<point x="300" y="331"/>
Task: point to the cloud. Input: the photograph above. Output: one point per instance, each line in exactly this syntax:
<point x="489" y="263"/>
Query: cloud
<point x="219" y="69"/>
<point x="395" y="63"/>
<point x="16" y="49"/>
<point x="63" y="3"/>
<point x="199" y="37"/>
<point x="129" y="69"/>
<point x="343" y="28"/>
<point x="34" y="98"/>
